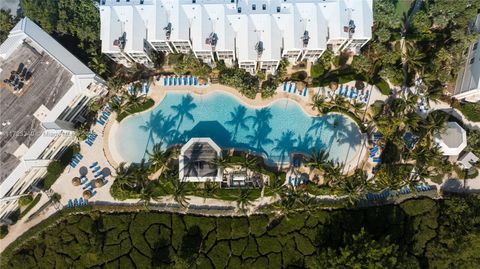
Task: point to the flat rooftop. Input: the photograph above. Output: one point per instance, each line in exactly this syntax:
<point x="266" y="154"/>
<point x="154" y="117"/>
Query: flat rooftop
<point x="198" y="159"/>
<point x="48" y="83"/>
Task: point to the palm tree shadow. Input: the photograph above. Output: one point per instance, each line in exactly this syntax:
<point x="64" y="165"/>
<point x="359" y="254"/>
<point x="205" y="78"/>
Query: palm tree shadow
<point x="318" y="123"/>
<point x="183" y="110"/>
<point x="352" y="137"/>
<point x="262" y="117"/>
<point x="259" y="138"/>
<point x="304" y="144"/>
<point x="285" y="144"/>
<point x="238" y="120"/>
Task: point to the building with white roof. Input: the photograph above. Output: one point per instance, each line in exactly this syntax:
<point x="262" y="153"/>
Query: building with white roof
<point x="468" y="80"/>
<point x="452" y="140"/>
<point x="197" y="161"/>
<point x="256" y="34"/>
<point x="44" y="91"/>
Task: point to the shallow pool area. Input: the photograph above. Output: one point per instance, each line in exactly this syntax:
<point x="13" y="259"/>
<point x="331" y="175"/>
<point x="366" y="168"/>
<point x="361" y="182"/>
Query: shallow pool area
<point x="274" y="131"/>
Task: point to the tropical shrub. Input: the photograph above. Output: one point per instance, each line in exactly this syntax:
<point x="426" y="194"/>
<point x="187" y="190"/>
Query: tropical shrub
<point x="25" y="200"/>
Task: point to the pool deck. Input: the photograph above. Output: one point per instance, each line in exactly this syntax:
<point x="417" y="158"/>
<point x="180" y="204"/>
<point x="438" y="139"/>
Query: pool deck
<point x="158" y="92"/>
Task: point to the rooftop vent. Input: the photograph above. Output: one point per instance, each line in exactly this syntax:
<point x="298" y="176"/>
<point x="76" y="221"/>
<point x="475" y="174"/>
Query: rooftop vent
<point x="212" y="39"/>
<point x="259" y="48"/>
<point x="168" y="30"/>
<point x="305" y="38"/>
<point x="350" y="29"/>
<point x="121" y="41"/>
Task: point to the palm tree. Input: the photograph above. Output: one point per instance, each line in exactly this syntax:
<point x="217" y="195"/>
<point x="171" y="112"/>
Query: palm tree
<point x="180" y="193"/>
<point x="358" y="107"/>
<point x="413" y="59"/>
<point x="319" y="103"/>
<point x="183" y="109"/>
<point x="317" y="159"/>
<point x="332" y="173"/>
<point x="276" y="187"/>
<point x="307" y="202"/>
<point x="353" y="186"/>
<point x="238" y="119"/>
<point x="98" y="65"/>
<point x="209" y="189"/>
<point x="159" y="159"/>
<point x="434" y="123"/>
<point x="243" y="199"/>
<point x="249" y="163"/>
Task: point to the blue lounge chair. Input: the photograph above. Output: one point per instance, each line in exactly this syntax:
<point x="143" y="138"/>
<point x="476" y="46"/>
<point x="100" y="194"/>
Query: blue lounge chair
<point x="295" y="89"/>
<point x="194" y="81"/>
<point x="146" y="88"/>
<point x="72" y="165"/>
<point x="93" y="164"/>
<point x="290" y="88"/>
<point x="106" y="113"/>
<point x="346" y="91"/>
<point x="75" y="202"/>
<point x="80" y="201"/>
<point x="170" y="81"/>
<point x="165" y="80"/>
<point x="70" y="203"/>
<point x="340" y="90"/>
<point x="377" y="160"/>
<point x="185" y="80"/>
<point x="131" y="89"/>
<point x="174" y="81"/>
<point x="79" y="156"/>
<point x="284" y="86"/>
<point x="75" y="161"/>
<point x="190" y="80"/>
<point x="85" y="180"/>
<point x="88" y="143"/>
<point x="99" y="174"/>
<point x="85" y="202"/>
<point x="101" y="122"/>
<point x="96" y="169"/>
<point x="102" y="117"/>
<point x="366" y="96"/>
<point x="88" y="185"/>
<point x="179" y="81"/>
<point x="351" y="94"/>
<point x="93" y="193"/>
<point x="305" y="91"/>
<point x="428" y="187"/>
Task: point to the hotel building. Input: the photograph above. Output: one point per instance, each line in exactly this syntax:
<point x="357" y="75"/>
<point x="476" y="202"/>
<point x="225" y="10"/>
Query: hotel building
<point x="44" y="91"/>
<point x="256" y="34"/>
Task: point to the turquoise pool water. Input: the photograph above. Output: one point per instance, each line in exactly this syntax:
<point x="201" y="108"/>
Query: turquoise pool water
<point x="274" y="131"/>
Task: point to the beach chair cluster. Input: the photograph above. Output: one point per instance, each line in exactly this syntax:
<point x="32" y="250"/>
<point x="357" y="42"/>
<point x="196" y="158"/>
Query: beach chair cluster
<point x="353" y="94"/>
<point x="76" y="160"/>
<point x="179" y="81"/>
<point x="90" y="138"/>
<point x="77" y="202"/>
<point x="296" y="180"/>
<point x="97" y="171"/>
<point x="404" y="190"/>
<point x="143" y="90"/>
<point x="375" y="150"/>
<point x="291" y="87"/>
<point x="104" y="115"/>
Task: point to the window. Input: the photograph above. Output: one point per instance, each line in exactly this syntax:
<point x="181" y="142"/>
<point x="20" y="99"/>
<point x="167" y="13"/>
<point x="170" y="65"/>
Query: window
<point x="264" y="6"/>
<point x="278" y="9"/>
<point x="239" y="10"/>
<point x="194" y="1"/>
<point x="254" y="7"/>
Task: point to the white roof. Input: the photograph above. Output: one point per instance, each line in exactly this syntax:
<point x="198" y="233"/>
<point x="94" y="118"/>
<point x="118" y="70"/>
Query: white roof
<point x="452" y="140"/>
<point x="467" y="160"/>
<point x="201" y="26"/>
<point x="362" y="15"/>
<point x="27" y="28"/>
<point x="221" y="26"/>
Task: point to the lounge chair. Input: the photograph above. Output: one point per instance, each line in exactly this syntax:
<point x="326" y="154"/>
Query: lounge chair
<point x="340" y="90"/>
<point x="79" y="156"/>
<point x="290" y="88"/>
<point x="98" y="174"/>
<point x="179" y="81"/>
<point x="96" y="169"/>
<point x="70" y="204"/>
<point x="88" y="143"/>
<point x="88" y="185"/>
<point x="106" y="113"/>
<point x="103" y="118"/>
<point x="80" y="201"/>
<point x="366" y="96"/>
<point x="284" y="86"/>
<point x="85" y="202"/>
<point x="295" y="89"/>
<point x="75" y="202"/>
<point x="73" y="165"/>
<point x="194" y="81"/>
<point x="93" y="193"/>
<point x="346" y="91"/>
<point x="170" y="81"/>
<point x="100" y="121"/>
<point x="190" y="81"/>
<point x="185" y="80"/>
<point x="305" y="91"/>
<point x="75" y="161"/>
<point x="165" y="81"/>
<point x="94" y="164"/>
<point x="428" y="187"/>
<point x="351" y="94"/>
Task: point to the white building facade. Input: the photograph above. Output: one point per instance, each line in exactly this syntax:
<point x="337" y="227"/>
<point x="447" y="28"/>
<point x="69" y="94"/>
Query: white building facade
<point x="45" y="90"/>
<point x="256" y="34"/>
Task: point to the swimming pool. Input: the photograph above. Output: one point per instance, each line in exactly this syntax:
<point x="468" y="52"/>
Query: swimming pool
<point x="275" y="131"/>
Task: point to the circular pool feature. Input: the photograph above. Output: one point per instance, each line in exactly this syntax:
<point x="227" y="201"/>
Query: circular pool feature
<point x="274" y="131"/>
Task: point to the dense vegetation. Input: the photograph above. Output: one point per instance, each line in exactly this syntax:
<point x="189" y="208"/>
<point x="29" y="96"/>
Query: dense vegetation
<point x="415" y="234"/>
<point x="56" y="168"/>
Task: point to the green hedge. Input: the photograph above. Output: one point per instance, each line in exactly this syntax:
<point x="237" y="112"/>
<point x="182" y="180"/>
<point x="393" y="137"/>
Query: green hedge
<point x="31" y="205"/>
<point x="471" y="111"/>
<point x="382" y="85"/>
<point x="144" y="106"/>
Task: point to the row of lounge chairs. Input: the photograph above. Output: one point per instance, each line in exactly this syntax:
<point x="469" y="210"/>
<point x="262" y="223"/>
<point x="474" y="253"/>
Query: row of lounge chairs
<point x="91" y="138"/>
<point x="144" y="88"/>
<point x="76" y="160"/>
<point x="353" y="93"/>
<point x="291" y="87"/>
<point x="375" y="150"/>
<point x="295" y="181"/>
<point x="104" y="116"/>
<point x="179" y="81"/>
<point x="404" y="190"/>
<point x="96" y="170"/>
<point x="77" y="202"/>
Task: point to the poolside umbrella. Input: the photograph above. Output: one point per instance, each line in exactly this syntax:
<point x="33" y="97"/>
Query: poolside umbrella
<point x="98" y="183"/>
<point x="87" y="194"/>
<point x="76" y="181"/>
